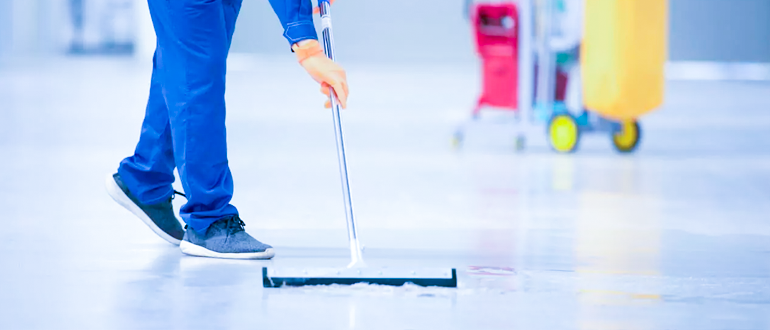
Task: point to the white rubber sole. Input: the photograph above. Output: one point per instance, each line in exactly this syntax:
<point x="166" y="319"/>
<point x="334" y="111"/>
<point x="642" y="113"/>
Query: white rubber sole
<point x="119" y="196"/>
<point x="199" y="251"/>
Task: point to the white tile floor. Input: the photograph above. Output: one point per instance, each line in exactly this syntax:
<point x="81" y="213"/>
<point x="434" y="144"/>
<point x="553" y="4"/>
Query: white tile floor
<point x="675" y="236"/>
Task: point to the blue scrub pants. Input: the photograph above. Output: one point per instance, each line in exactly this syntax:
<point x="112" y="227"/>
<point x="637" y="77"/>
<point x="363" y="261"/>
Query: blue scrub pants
<point x="184" y="123"/>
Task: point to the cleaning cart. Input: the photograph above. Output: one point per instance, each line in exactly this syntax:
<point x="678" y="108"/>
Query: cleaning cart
<point x="620" y="75"/>
<point x="505" y="45"/>
<point x="496" y="35"/>
<point x="591" y="66"/>
<point x="496" y="32"/>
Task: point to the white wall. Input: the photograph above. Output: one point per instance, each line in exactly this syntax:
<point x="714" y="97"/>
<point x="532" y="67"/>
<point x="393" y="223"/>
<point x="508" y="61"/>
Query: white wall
<point x="32" y="26"/>
<point x="701" y="30"/>
<point x="367" y="30"/>
<point x="6" y="24"/>
<point x="401" y="30"/>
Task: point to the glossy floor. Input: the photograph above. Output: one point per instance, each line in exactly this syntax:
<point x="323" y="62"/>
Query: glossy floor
<point x="675" y="236"/>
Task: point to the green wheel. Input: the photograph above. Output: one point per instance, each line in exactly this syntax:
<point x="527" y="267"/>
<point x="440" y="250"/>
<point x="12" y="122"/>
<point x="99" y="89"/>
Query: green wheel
<point x="520" y="143"/>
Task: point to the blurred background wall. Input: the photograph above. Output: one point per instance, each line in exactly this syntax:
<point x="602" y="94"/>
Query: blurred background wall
<point x="5" y="26"/>
<point x="377" y="31"/>
<point x="426" y="30"/>
<point x="701" y="30"/>
<point x="30" y="26"/>
<point x="720" y="30"/>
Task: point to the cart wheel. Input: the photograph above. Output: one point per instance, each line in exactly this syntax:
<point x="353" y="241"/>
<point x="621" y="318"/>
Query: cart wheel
<point x="521" y="143"/>
<point x="563" y="133"/>
<point x="457" y="140"/>
<point x="627" y="139"/>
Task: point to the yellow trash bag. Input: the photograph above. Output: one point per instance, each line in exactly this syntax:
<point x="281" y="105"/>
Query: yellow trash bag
<point x="623" y="55"/>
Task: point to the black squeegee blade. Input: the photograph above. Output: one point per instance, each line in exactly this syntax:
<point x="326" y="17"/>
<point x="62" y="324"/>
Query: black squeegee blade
<point x="276" y="282"/>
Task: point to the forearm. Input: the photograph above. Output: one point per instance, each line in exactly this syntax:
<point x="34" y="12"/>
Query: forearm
<point x="296" y="17"/>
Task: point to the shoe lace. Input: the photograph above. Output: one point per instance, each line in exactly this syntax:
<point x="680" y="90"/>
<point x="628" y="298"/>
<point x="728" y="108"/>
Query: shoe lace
<point x="234" y="224"/>
<point x="177" y="193"/>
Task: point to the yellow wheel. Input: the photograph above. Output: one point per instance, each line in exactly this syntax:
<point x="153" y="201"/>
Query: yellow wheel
<point x="627" y="139"/>
<point x="563" y="133"/>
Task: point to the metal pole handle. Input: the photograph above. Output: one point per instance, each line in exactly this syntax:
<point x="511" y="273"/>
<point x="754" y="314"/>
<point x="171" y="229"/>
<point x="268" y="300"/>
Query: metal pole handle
<point x="328" y="44"/>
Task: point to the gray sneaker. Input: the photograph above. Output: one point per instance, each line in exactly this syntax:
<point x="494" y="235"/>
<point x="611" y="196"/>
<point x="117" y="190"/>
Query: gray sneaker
<point x="159" y="217"/>
<point x="227" y="239"/>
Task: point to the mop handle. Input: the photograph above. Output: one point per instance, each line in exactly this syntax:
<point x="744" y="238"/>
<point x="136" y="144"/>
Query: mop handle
<point x="328" y="43"/>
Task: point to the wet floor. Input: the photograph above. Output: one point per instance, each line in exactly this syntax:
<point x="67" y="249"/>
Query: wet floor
<point x="675" y="236"/>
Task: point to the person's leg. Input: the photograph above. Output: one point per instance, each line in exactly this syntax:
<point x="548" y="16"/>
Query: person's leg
<point x="149" y="173"/>
<point x="143" y="182"/>
<point x="193" y="41"/>
<point x="192" y="50"/>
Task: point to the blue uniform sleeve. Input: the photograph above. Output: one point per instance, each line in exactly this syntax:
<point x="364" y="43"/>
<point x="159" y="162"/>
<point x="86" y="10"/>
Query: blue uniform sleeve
<point x="296" y="16"/>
